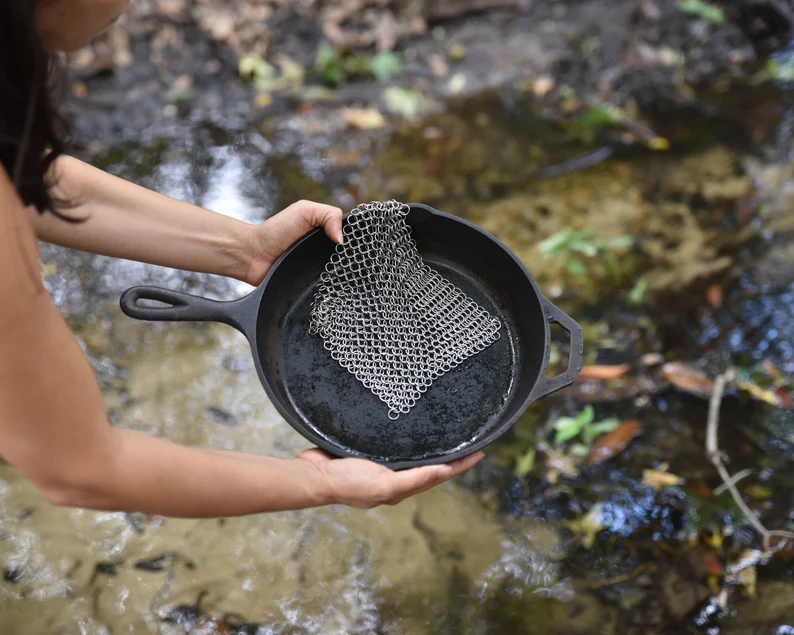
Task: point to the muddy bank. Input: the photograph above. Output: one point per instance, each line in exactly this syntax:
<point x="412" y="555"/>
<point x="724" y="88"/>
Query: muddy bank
<point x="168" y="62"/>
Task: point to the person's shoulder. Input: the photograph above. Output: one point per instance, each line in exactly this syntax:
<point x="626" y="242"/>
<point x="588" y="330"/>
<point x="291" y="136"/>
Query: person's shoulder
<point x="20" y="276"/>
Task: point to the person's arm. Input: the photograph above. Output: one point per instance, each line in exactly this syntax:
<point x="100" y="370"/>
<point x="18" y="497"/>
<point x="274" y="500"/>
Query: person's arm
<point x="124" y="220"/>
<point x="54" y="429"/>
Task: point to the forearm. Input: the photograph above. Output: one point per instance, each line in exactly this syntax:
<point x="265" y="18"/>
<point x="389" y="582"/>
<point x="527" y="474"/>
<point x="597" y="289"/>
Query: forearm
<point x="152" y="475"/>
<point x="124" y="220"/>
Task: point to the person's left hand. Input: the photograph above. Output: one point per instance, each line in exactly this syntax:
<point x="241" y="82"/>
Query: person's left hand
<point x="277" y="233"/>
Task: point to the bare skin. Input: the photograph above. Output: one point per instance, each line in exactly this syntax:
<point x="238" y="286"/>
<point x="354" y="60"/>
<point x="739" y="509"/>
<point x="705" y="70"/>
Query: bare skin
<point x="53" y="425"/>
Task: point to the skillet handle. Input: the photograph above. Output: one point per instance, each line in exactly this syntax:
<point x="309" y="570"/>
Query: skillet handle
<point x="184" y="307"/>
<point x="545" y="385"/>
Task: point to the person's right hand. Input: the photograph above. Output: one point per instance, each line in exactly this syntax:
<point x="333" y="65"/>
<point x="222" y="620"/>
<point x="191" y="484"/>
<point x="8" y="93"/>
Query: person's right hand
<point x="366" y="484"/>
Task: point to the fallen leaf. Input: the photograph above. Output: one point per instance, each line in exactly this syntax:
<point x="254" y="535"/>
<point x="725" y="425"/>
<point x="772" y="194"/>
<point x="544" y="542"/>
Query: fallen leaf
<point x="587" y="526"/>
<point x="438" y="65"/>
<point x="558" y="463"/>
<point x="599" y="371"/>
<point x="688" y="379"/>
<point x="79" y="89"/>
<point x="714" y="296"/>
<point x="712" y="564"/>
<point x="82" y="59"/>
<point x="613" y="443"/>
<point x="343" y="158"/>
<point x="660" y="477"/>
<point x="758" y="492"/>
<point x="542" y="86"/>
<point x="758" y="393"/>
<point x="48" y="269"/>
<point x="363" y="118"/>
<point x="457" y="83"/>
<point x="457" y="52"/>
<point x="785" y="398"/>
<point x="743" y="571"/>
<point x="525" y="463"/>
<point x="403" y="101"/>
<point x="771" y="370"/>
<point x="119" y="42"/>
<point x="748" y="578"/>
<point x="651" y="359"/>
<point x="264" y="99"/>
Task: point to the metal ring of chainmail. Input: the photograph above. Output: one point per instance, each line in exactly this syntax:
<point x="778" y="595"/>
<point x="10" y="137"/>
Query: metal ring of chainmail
<point x="387" y="317"/>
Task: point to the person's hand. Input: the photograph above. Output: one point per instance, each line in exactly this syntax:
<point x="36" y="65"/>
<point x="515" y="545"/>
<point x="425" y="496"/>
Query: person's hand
<point x="366" y="484"/>
<point x="273" y="237"/>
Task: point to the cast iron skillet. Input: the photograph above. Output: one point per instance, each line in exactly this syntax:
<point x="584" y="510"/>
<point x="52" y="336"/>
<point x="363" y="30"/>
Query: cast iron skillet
<point x="464" y="410"/>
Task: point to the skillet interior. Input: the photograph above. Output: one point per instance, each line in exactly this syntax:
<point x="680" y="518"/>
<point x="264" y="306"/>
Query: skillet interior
<point x="476" y="401"/>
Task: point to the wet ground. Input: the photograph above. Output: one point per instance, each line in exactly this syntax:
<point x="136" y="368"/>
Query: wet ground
<point x="677" y="263"/>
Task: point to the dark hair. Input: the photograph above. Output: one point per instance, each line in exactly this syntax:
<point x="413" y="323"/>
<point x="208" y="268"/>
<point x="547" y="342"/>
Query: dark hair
<point x="32" y="134"/>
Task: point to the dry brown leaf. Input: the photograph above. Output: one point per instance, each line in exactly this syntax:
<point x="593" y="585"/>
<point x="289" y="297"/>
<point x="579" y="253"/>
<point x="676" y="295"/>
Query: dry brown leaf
<point x="688" y="379"/>
<point x="613" y="442"/>
<point x="714" y="296"/>
<point x="79" y="89"/>
<point x="83" y="59"/>
<point x="603" y="372"/>
<point x="712" y="564"/>
<point x="438" y="65"/>
<point x="363" y="118"/>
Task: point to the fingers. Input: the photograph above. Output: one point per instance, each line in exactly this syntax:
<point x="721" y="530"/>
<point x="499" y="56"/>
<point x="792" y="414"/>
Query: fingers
<point x="321" y="215"/>
<point x="420" y="479"/>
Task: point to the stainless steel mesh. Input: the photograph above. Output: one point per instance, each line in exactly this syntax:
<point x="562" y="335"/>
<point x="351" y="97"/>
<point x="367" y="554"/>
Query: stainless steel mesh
<point x="387" y="317"/>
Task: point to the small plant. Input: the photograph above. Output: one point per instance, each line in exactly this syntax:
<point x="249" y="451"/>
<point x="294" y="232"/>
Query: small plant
<point x="637" y="293"/>
<point x="333" y="68"/>
<point x="703" y="10"/>
<point x="583" y="426"/>
<point x="580" y="242"/>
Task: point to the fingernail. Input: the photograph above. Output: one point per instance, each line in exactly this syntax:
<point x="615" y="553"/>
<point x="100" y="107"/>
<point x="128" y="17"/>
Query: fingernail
<point x="341" y="238"/>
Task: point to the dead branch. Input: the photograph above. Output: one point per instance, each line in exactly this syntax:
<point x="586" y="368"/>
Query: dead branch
<point x="717" y="458"/>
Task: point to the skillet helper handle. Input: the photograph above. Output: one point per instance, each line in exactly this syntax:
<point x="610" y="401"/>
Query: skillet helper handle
<point x="183" y="307"/>
<point x="546" y="385"/>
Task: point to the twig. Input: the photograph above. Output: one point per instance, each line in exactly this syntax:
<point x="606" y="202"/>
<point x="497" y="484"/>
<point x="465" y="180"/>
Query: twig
<point x="735" y="479"/>
<point x="717" y="457"/>
<point x="621" y="578"/>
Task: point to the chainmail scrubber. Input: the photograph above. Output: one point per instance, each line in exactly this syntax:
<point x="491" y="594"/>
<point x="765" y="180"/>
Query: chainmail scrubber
<point x="387" y="317"/>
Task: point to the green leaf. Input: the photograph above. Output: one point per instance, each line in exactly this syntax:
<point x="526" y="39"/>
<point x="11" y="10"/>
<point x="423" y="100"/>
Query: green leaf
<point x="254" y="67"/>
<point x="567" y="428"/>
<point x="385" y="65"/>
<point x="576" y="267"/>
<point x="586" y="416"/>
<point x="525" y="463"/>
<point x="555" y="243"/>
<point x="637" y="293"/>
<point x="592" y="432"/>
<point x="599" y="115"/>
<point x="579" y="449"/>
<point x="703" y="10"/>
<point x="326" y="55"/>
<point x="584" y="247"/>
<point x="619" y="241"/>
<point x="328" y="64"/>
